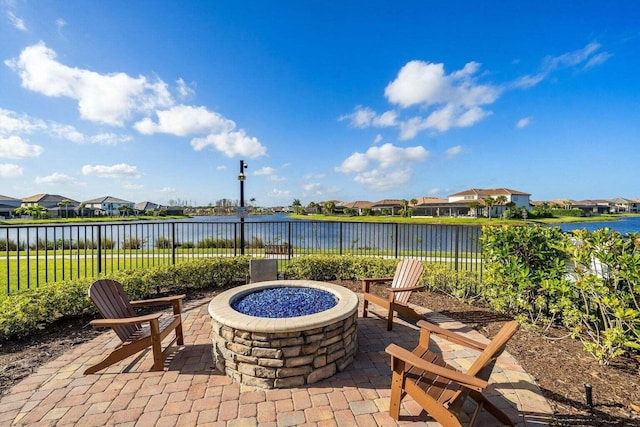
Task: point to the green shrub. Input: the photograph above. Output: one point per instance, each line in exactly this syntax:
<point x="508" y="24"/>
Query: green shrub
<point x="132" y="243"/>
<point x="29" y="310"/>
<point x="163" y="243"/>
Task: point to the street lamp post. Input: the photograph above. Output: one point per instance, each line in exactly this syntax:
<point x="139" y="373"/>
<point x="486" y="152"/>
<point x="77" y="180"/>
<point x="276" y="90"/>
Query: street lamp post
<point x="241" y="210"/>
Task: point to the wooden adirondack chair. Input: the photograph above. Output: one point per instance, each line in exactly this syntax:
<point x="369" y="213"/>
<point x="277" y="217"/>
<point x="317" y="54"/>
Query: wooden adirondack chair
<point x="135" y="332"/>
<point x="438" y="387"/>
<point x="403" y="283"/>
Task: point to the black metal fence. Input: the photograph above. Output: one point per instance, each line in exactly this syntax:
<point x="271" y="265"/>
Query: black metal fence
<point x="33" y="255"/>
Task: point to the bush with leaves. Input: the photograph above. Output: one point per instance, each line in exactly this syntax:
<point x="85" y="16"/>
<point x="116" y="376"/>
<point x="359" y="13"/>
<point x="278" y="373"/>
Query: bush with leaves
<point x="33" y="309"/>
<point x="606" y="273"/>
<point x="525" y="272"/>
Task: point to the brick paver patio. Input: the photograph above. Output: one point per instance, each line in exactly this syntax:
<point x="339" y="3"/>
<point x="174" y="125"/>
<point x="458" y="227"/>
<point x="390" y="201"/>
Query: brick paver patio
<point x="191" y="392"/>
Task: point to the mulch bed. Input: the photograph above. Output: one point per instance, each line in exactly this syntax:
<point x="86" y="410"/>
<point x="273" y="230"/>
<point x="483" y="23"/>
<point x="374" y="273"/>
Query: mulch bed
<point x="557" y="363"/>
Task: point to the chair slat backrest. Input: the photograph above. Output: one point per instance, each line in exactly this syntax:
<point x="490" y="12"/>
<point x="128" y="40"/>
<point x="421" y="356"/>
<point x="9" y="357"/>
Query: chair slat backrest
<point x="111" y="301"/>
<point x="261" y="270"/>
<point x="483" y="365"/>
<point x="407" y="275"/>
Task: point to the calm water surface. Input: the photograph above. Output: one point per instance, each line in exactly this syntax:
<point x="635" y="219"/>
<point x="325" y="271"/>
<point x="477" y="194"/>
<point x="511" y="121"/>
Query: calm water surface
<point x="623" y="225"/>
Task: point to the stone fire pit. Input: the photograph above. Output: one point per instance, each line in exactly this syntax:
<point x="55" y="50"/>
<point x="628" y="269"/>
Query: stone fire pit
<point x="283" y="352"/>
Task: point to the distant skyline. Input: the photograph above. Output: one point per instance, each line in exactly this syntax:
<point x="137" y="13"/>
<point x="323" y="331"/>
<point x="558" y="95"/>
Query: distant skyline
<point x="323" y="100"/>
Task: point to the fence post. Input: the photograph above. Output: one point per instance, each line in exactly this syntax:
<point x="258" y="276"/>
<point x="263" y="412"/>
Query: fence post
<point x="397" y="230"/>
<point x="99" y="250"/>
<point x="235" y="239"/>
<point x="289" y="241"/>
<point x="173" y="243"/>
<point x="456" y="244"/>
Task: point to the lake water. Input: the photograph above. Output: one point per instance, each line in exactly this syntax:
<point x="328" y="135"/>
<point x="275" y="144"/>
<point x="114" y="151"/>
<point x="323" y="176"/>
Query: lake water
<point x="623" y="225"/>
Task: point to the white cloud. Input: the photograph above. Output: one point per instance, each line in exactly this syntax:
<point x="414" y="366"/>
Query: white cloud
<point x="168" y="190"/>
<point x="314" y="176"/>
<point x="182" y="120"/>
<point x="8" y="170"/>
<point x="276" y="178"/>
<point x="104" y="98"/>
<point x="231" y="144"/>
<point x="390" y="168"/>
<point x="184" y="90"/>
<point x="453" y="151"/>
<point x="55" y="178"/>
<point x="221" y="167"/>
<point x="377" y="139"/>
<point x="588" y="56"/>
<point x="267" y="170"/>
<point x="377" y="180"/>
<point x="523" y="122"/>
<point x="60" y="23"/>
<point x="315" y="189"/>
<point x="15" y="147"/>
<point x="12" y="122"/>
<point x="121" y="170"/>
<point x="17" y="23"/>
<point x="363" y="117"/>
<point x="109" y="138"/>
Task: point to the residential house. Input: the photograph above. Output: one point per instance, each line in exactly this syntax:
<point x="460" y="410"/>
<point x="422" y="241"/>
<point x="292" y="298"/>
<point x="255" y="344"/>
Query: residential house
<point x="359" y="206"/>
<point x="110" y="206"/>
<point x="7" y="205"/>
<point x="432" y="206"/>
<point x="56" y="205"/>
<point x="394" y="206"/>
<point x="593" y="207"/>
<point x="622" y="205"/>
<point x="518" y="198"/>
<point x="144" y="207"/>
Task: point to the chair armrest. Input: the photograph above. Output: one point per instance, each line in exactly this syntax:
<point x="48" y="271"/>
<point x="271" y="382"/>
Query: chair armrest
<point x="410" y="288"/>
<point x="157" y="301"/>
<point x="105" y="323"/>
<point x="369" y="280"/>
<point x="461" y="378"/>
<point x="451" y="336"/>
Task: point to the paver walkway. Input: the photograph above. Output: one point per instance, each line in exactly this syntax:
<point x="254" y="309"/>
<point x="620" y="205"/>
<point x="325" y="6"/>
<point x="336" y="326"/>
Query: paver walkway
<point x="191" y="392"/>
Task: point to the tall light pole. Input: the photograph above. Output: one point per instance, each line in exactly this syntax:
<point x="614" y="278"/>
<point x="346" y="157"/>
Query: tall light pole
<point x="241" y="210"/>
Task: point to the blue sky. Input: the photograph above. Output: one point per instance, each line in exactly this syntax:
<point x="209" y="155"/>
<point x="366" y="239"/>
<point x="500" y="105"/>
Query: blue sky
<point x="366" y="100"/>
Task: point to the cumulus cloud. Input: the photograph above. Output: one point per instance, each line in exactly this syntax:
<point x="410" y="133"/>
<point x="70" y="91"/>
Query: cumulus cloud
<point x="453" y="151"/>
<point x="121" y="170"/>
<point x="109" y="138"/>
<point x="221" y="167"/>
<point x="316" y="189"/>
<point x="8" y="170"/>
<point x="12" y="122"/>
<point x="104" y="98"/>
<point x="523" y="122"/>
<point x="17" y="23"/>
<point x="386" y="163"/>
<point x="377" y="139"/>
<point x="427" y="97"/>
<point x="55" y="178"/>
<point x="231" y="144"/>
<point x="15" y="147"/>
<point x="182" y="120"/>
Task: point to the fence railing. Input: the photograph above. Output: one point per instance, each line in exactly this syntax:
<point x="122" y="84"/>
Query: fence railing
<point x="32" y="255"/>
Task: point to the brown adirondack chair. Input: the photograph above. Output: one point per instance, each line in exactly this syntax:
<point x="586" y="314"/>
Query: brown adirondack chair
<point x="135" y="332"/>
<point x="262" y="269"/>
<point x="403" y="283"/>
<point x="438" y="387"/>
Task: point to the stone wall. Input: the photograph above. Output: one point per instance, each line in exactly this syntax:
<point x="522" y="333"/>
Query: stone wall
<point x="284" y="359"/>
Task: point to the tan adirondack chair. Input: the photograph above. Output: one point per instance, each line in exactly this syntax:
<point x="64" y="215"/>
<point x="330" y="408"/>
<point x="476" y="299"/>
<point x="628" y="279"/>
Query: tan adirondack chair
<point x="438" y="387"/>
<point x="403" y="283"/>
<point x="135" y="332"/>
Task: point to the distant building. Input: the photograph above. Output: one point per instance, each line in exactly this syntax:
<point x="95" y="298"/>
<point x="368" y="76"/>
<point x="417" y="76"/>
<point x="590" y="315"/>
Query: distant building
<point x="110" y="206"/>
<point x="518" y="198"/>
<point x="56" y="205"/>
<point x="7" y="205"/>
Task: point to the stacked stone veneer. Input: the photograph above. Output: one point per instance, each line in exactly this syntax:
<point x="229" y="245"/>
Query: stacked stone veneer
<point x="283" y="352"/>
<point x="285" y="359"/>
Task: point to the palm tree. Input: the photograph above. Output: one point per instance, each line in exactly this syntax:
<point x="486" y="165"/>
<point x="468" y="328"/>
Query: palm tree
<point x="413" y="202"/>
<point x="297" y="206"/>
<point x="489" y="203"/>
<point x="501" y="200"/>
<point x="329" y="207"/>
<point x="474" y="206"/>
<point x="65" y="203"/>
<point x="405" y="208"/>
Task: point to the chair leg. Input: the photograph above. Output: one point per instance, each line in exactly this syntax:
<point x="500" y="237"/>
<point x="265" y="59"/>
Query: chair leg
<point x="365" y="308"/>
<point x="390" y="318"/>
<point x="156" y="345"/>
<point x="485" y="403"/>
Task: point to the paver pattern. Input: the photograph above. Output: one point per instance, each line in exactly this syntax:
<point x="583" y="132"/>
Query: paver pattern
<point x="191" y="392"/>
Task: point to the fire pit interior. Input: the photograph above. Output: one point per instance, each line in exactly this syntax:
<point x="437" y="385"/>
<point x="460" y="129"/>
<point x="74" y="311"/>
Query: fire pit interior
<point x="282" y="346"/>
